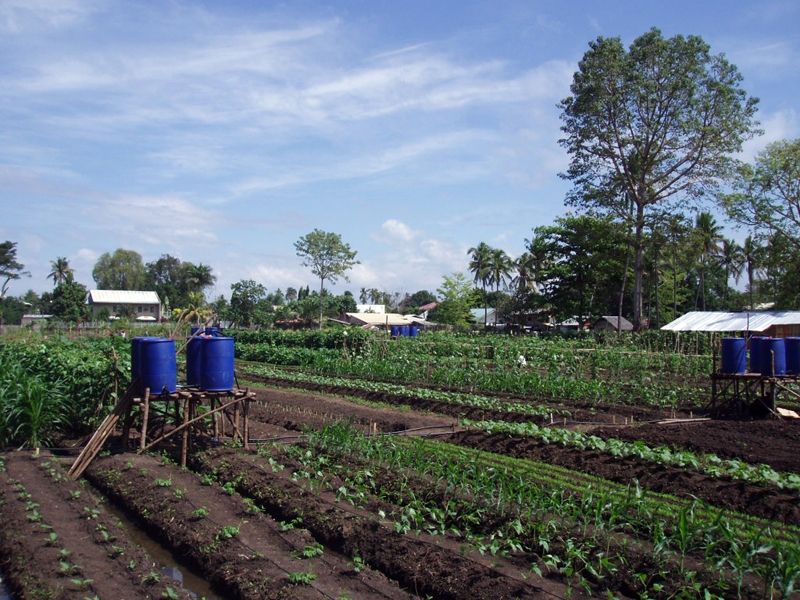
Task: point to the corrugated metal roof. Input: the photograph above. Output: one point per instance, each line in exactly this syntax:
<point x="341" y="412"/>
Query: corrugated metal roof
<point x="376" y="319"/>
<point x="698" y="320"/>
<point x="122" y="297"/>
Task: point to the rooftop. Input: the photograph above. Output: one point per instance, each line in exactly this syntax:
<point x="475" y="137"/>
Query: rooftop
<point x="122" y="297"/>
<point x="698" y="320"/>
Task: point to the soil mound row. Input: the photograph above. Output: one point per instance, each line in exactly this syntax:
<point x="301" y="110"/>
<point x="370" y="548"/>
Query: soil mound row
<point x="243" y="553"/>
<point x="758" y="500"/>
<point x="417" y="564"/>
<point x="56" y="540"/>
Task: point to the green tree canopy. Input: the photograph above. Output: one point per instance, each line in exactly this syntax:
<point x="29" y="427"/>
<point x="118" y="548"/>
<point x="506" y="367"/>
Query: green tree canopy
<point x="767" y="196"/>
<point x="122" y="270"/>
<point x="651" y="124"/>
<point x="247" y="297"/>
<point x="328" y="257"/>
<point x="69" y="301"/>
<point x="60" y="270"/>
<point x="457" y="296"/>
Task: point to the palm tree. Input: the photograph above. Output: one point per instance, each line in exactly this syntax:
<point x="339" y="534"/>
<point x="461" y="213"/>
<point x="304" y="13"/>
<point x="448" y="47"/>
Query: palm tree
<point x="500" y="267"/>
<point x="199" y="277"/>
<point x="61" y="271"/>
<point x="731" y="258"/>
<point x="479" y="264"/>
<point x="752" y="253"/>
<point x="708" y="235"/>
<point x="526" y="270"/>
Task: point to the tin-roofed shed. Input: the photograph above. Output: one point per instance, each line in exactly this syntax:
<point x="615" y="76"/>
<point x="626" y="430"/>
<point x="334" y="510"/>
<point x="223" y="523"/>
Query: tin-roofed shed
<point x="775" y="323"/>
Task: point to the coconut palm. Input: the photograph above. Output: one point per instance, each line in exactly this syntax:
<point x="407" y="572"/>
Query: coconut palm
<point x="731" y="258"/>
<point x="752" y="253"/>
<point x="708" y="235"/>
<point x="500" y="268"/>
<point x="61" y="271"/>
<point x="524" y="280"/>
<point x="479" y="266"/>
<point x="199" y="277"/>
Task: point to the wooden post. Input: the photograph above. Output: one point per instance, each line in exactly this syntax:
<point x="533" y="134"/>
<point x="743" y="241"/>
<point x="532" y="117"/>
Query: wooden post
<point x="185" y="441"/>
<point x="145" y="418"/>
<point x="237" y="433"/>
<point x="215" y="426"/>
<point x="246" y="424"/>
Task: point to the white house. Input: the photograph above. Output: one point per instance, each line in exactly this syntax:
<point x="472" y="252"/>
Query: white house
<point x="143" y="306"/>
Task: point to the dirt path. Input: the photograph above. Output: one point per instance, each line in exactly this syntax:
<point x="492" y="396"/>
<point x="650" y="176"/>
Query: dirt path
<point x="58" y="542"/>
<point x="296" y="410"/>
<point x="244" y="553"/>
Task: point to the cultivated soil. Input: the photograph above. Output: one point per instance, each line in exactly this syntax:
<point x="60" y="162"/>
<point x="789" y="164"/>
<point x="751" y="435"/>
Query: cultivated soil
<point x="57" y="541"/>
<point x="242" y="552"/>
<point x="772" y="442"/>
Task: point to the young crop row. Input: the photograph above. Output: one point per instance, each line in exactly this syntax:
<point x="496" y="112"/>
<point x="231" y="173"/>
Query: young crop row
<point x="709" y="464"/>
<point x="565" y="523"/>
<point x="404" y="391"/>
<point x="58" y="386"/>
<point x="557" y="382"/>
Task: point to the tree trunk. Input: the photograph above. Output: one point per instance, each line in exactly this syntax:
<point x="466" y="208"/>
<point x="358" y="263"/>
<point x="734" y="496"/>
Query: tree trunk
<point x="638" y="269"/>
<point x="321" y="282"/>
<point x="703" y="284"/>
<point x="485" y="306"/>
<point x="622" y="290"/>
<point x="655" y="277"/>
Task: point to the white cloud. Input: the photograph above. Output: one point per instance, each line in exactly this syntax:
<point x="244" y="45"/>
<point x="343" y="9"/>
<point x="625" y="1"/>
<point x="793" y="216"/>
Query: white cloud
<point x="394" y="230"/>
<point x="782" y="124"/>
<point x="272" y="276"/>
<point x="21" y="15"/>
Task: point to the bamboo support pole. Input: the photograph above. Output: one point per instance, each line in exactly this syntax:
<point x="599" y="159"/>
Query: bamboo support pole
<point x="182" y="426"/>
<point x="185" y="428"/>
<point x="145" y="419"/>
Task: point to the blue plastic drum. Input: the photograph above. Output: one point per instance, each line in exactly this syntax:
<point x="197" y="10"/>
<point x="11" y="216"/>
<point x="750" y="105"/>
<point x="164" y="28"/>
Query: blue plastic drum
<point x="158" y="365"/>
<point x="734" y="355"/>
<point x="216" y="373"/>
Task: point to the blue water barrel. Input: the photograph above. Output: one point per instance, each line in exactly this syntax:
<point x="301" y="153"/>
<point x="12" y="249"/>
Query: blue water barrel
<point x="395" y="330"/>
<point x="194" y="354"/>
<point x="136" y="355"/>
<point x="213" y="331"/>
<point x="734" y="355"/>
<point x="413" y="331"/>
<point x="405" y="330"/>
<point x="756" y="352"/>
<point x="774" y="357"/>
<point x="195" y="329"/>
<point x="158" y="367"/>
<point x="216" y="373"/>
<point x="793" y="355"/>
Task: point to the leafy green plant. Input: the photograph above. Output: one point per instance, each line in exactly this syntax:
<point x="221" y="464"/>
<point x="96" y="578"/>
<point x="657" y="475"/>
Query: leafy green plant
<point x="227" y="532"/>
<point x="200" y="513"/>
<point x="301" y="578"/>
<point x="163" y="482"/>
<point x="312" y="550"/>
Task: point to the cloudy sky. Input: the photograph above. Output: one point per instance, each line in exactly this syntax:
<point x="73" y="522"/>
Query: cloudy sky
<point x="220" y="132"/>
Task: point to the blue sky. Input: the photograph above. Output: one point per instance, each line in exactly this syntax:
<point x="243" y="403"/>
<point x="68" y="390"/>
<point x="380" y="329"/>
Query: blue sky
<point x="220" y="132"/>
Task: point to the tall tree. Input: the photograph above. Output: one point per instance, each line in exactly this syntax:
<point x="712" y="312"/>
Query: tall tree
<point x="456" y="294"/>
<point x="752" y="253"/>
<point x="479" y="265"/>
<point x="708" y="235"/>
<point x="328" y="257"/>
<point x="500" y="268"/>
<point x="69" y="301"/>
<point x="651" y="124"/>
<point x="731" y="258"/>
<point x="198" y="277"/>
<point x="767" y="198"/>
<point x="60" y="270"/>
<point x="246" y="298"/>
<point x="122" y="270"/>
<point x="166" y="276"/>
<point x="10" y="270"/>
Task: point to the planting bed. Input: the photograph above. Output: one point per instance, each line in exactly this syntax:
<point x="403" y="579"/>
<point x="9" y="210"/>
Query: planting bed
<point x="243" y="553"/>
<point x="296" y="411"/>
<point x="772" y="442"/>
<point x="57" y="541"/>
<point x="420" y="564"/>
<point x="757" y="499"/>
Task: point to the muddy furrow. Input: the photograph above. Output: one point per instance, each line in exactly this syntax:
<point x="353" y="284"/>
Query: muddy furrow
<point x="764" y="501"/>
<point x="417" y="564"/>
<point x="58" y="542"/>
<point x="245" y="555"/>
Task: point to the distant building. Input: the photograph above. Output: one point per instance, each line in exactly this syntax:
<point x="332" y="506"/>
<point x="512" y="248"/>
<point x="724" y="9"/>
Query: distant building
<point x="376" y="319"/>
<point x="34" y="319"/>
<point x="142" y="306"/>
<point x="377" y="309"/>
<point x="609" y="323"/>
<point x="774" y="323"/>
<point x="478" y="314"/>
